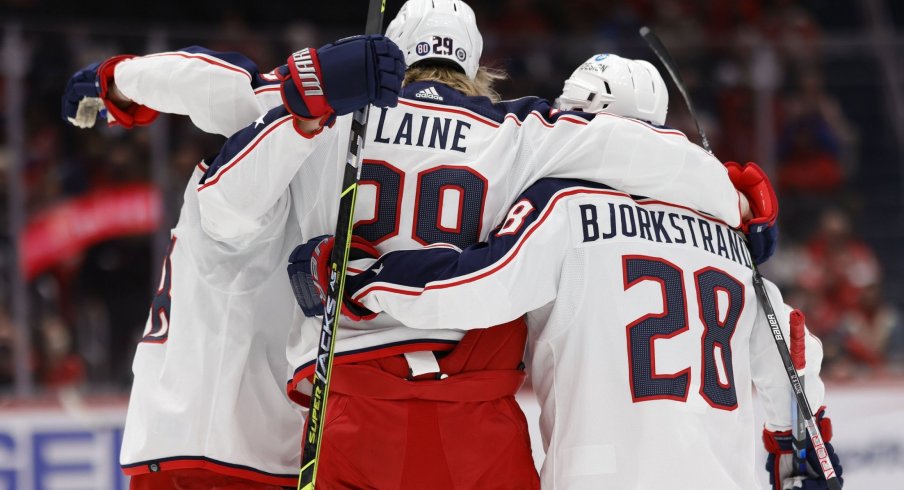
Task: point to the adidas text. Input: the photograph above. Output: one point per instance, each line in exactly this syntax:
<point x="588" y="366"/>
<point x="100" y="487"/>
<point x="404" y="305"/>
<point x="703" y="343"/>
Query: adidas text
<point x="429" y="93"/>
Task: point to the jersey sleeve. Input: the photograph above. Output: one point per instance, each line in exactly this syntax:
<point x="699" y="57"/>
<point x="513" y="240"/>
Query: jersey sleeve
<point x="515" y="271"/>
<point x="767" y="369"/>
<point x="631" y="156"/>
<point x="246" y="187"/>
<point x="220" y="92"/>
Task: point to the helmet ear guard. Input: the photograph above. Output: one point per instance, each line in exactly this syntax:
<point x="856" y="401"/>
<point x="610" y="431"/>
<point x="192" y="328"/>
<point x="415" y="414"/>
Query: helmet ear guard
<point x="610" y="83"/>
<point x="438" y="30"/>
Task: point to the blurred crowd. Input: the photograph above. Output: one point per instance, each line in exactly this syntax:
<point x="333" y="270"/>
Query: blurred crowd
<point x="760" y="71"/>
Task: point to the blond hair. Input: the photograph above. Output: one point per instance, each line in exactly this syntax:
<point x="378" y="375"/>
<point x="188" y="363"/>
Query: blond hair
<point x="481" y="85"/>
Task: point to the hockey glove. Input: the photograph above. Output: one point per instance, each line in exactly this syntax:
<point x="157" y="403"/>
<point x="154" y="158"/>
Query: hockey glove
<point x="780" y="461"/>
<point x="761" y="230"/>
<point x="309" y="274"/>
<point x="342" y="77"/>
<point x="81" y="98"/>
<point x="87" y="95"/>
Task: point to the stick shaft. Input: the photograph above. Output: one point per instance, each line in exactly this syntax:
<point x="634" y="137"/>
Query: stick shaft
<point x="760" y="288"/>
<point x="326" y="350"/>
<point x="656" y="45"/>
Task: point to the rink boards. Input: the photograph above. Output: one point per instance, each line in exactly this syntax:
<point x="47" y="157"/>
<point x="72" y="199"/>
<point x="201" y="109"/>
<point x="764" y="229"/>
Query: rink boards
<point x="44" y="446"/>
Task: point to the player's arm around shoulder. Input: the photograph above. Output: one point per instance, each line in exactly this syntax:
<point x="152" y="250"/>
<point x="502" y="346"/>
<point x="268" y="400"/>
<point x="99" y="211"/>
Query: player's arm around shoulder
<point x="514" y="271"/>
<point x="220" y="91"/>
<point x="246" y="186"/>
<point x="638" y="158"/>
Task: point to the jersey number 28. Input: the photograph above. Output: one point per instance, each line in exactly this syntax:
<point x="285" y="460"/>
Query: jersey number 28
<point x="646" y="384"/>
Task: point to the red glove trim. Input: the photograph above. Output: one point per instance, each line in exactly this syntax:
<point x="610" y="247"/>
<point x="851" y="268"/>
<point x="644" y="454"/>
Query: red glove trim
<point x="362" y="244"/>
<point x="302" y="132"/>
<point x="311" y="90"/>
<point x="134" y="114"/>
<point x="777" y="470"/>
<point x="321" y="274"/>
<point x="772" y="445"/>
<point x="824" y="423"/>
<point x="753" y="182"/>
<point x="825" y="429"/>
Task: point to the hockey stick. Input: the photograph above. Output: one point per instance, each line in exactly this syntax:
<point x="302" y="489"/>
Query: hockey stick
<point x="326" y="350"/>
<point x="815" y="437"/>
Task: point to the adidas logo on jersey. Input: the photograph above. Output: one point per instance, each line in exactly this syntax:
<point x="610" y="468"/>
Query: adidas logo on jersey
<point x="429" y="93"/>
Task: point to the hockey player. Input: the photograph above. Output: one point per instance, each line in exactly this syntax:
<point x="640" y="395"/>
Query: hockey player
<point x="645" y="335"/>
<point x="440" y="167"/>
<point x="608" y="83"/>
<point x="208" y="407"/>
<point x="266" y="194"/>
<point x="603" y="83"/>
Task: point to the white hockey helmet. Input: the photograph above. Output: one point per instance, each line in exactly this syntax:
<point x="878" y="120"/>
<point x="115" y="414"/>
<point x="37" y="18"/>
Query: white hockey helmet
<point x="610" y="83"/>
<point x="438" y="29"/>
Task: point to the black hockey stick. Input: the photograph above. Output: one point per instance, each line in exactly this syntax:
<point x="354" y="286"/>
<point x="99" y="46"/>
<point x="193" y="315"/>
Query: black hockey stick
<point x="815" y="437"/>
<point x="326" y="350"/>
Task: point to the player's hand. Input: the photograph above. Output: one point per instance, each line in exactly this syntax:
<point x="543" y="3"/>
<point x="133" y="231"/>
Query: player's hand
<point x="342" y="77"/>
<point x="309" y="274"/>
<point x="91" y="93"/>
<point x="780" y="461"/>
<point x="761" y="230"/>
<point x="81" y="98"/>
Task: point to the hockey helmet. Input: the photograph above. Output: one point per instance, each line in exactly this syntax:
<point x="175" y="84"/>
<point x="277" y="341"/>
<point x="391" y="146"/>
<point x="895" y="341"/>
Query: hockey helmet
<point x="438" y="29"/>
<point x="610" y="83"/>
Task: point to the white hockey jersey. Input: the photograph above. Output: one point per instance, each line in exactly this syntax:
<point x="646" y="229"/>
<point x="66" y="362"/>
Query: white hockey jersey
<point x="209" y="386"/>
<point x="438" y="168"/>
<point x="438" y="192"/>
<point x="220" y="92"/>
<point x="645" y="334"/>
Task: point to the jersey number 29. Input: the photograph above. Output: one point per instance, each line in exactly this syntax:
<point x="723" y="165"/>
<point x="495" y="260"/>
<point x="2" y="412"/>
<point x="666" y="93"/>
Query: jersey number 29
<point x="468" y="187"/>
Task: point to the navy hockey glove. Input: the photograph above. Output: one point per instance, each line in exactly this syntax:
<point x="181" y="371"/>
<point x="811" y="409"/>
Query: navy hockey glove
<point x="761" y="230"/>
<point x="81" y="98"/>
<point x="86" y="96"/>
<point x="342" y="77"/>
<point x="781" y="461"/>
<point x="309" y="274"/>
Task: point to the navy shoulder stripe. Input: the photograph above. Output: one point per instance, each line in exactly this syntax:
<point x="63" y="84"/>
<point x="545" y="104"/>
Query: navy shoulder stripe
<point x="417" y="268"/>
<point x="241" y="140"/>
<point x="438" y="93"/>
<point x="542" y="191"/>
<point x="236" y="59"/>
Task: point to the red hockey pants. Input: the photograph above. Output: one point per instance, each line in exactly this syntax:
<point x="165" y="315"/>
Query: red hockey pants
<point x="466" y="431"/>
<point x="194" y="479"/>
